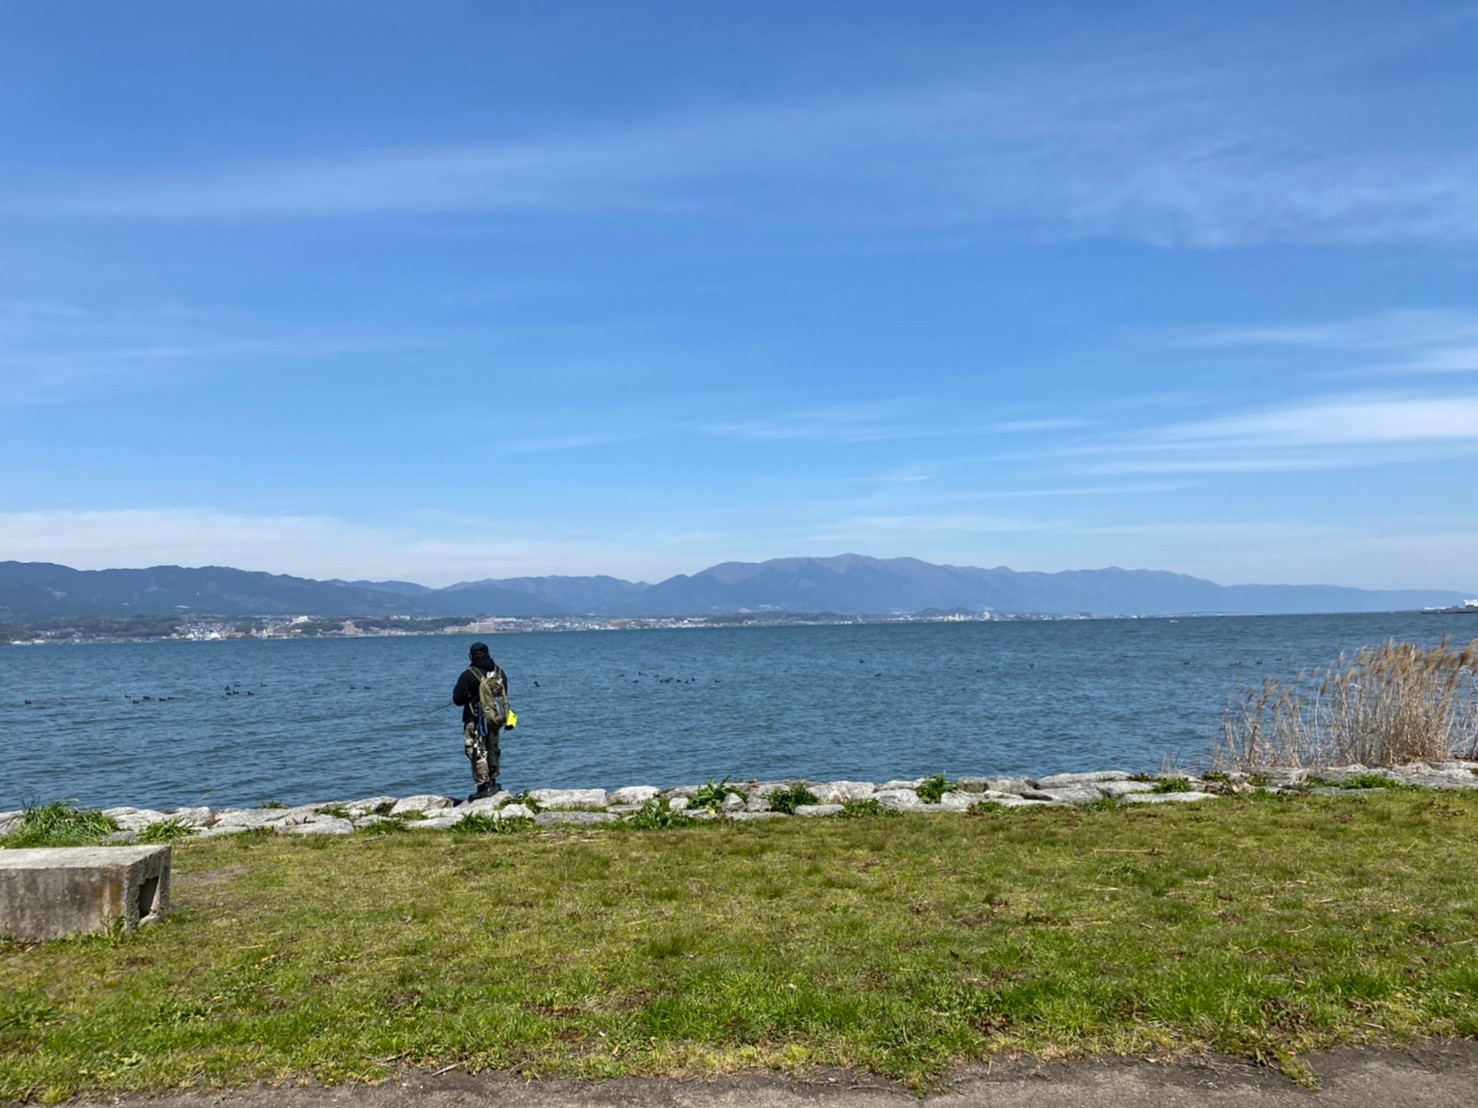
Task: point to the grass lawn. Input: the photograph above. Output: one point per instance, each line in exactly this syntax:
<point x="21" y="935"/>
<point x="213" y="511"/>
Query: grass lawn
<point x="1260" y="926"/>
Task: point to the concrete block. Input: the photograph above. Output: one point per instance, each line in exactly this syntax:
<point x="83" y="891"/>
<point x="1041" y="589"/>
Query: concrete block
<point x="49" y="893"/>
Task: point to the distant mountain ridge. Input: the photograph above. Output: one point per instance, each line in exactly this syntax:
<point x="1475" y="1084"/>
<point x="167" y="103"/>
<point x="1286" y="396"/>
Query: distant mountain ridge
<point x="848" y="584"/>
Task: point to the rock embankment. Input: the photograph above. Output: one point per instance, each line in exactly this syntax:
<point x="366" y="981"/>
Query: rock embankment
<point x="757" y="800"/>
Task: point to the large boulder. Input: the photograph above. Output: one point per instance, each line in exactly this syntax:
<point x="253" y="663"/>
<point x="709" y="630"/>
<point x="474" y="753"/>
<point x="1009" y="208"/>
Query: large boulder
<point x="327" y="825"/>
<point x="632" y="794"/>
<point x="1067" y="794"/>
<point x="899" y="800"/>
<point x="423" y="803"/>
<point x="1064" y="780"/>
<point x="134" y="819"/>
<point x="839" y="792"/>
<point x="567" y="799"/>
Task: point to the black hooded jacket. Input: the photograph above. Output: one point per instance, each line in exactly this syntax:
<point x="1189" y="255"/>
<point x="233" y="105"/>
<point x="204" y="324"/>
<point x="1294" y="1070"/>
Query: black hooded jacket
<point x="465" y="691"/>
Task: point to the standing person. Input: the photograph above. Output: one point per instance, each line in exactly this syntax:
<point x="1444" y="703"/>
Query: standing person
<point x="479" y="728"/>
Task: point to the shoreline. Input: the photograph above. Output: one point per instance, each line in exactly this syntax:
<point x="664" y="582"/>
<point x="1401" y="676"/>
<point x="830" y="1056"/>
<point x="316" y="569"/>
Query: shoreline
<point x="739" y="801"/>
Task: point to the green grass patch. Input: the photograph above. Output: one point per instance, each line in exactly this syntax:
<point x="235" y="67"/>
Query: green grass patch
<point x="1374" y="781"/>
<point x="864" y="809"/>
<point x="167" y="831"/>
<point x="1262" y="927"/>
<point x="488" y="823"/>
<point x="58" y="824"/>
<point x="1172" y="785"/>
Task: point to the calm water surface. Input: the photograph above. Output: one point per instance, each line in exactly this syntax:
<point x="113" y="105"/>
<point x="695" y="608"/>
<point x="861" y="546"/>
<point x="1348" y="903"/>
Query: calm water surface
<point x="343" y="718"/>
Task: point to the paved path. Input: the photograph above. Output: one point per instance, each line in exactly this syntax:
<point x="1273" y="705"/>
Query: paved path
<point x="1431" y="1076"/>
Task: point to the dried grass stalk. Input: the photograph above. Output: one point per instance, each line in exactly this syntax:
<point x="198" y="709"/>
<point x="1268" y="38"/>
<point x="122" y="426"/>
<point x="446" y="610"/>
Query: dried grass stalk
<point x="1386" y="706"/>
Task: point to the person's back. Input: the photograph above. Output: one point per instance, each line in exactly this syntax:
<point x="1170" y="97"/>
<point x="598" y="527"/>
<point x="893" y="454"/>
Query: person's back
<point x="480" y="726"/>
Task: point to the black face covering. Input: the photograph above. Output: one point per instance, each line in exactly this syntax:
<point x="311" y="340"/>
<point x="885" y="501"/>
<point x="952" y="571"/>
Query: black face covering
<point x="480" y="657"/>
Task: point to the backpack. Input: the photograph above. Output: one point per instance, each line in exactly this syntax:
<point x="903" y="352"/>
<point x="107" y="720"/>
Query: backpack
<point x="491" y="705"/>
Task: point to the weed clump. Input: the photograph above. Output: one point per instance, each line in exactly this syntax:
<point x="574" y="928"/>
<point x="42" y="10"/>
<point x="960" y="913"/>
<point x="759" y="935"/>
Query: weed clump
<point x="1172" y="785"/>
<point x="657" y="814"/>
<point x="790" y="797"/>
<point x="1386" y="706"/>
<point x="59" y="824"/>
<point x="710" y="797"/>
<point x="933" y="788"/>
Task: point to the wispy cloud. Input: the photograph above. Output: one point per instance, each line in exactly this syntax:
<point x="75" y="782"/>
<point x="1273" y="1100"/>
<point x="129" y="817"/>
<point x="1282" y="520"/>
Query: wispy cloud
<point x="1170" y="158"/>
<point x="52" y="353"/>
<point x="852" y="423"/>
<point x="1343" y="431"/>
<point x="1407" y="341"/>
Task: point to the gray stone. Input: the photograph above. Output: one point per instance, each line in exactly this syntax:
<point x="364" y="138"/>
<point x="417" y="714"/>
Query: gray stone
<point x="765" y="788"/>
<point x="516" y="811"/>
<point x="678" y="803"/>
<point x="817" y="809"/>
<point x="422" y="803"/>
<point x="743" y="817"/>
<point x="565" y="799"/>
<point x="1123" y="788"/>
<point x="441" y="821"/>
<point x="703" y="814"/>
<point x="1166" y="798"/>
<point x="972" y="784"/>
<point x="958" y="801"/>
<point x="246" y="819"/>
<point x="492" y="803"/>
<point x="632" y="794"/>
<point x="839" y="792"/>
<point x="49" y="893"/>
<point x="134" y="819"/>
<point x="733" y="802"/>
<point x="757" y="804"/>
<point x="894" y="786"/>
<point x="1013" y="785"/>
<point x="1064" y="780"/>
<point x="898" y="800"/>
<point x="584" y="819"/>
<point x="328" y="825"/>
<point x="1068" y="794"/>
<point x="680" y="792"/>
<point x="371" y="806"/>
<point x="200" y="817"/>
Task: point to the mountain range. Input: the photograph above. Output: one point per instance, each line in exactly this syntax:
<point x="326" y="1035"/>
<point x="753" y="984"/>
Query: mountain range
<point x="849" y="584"/>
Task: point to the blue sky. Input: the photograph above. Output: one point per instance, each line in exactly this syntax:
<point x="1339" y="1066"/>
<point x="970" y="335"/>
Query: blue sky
<point x="448" y="291"/>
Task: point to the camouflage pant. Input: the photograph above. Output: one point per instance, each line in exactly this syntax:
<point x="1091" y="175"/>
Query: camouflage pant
<point x="483" y="753"/>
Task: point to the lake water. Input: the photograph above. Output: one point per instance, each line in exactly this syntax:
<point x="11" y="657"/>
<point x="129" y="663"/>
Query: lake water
<point x="153" y="724"/>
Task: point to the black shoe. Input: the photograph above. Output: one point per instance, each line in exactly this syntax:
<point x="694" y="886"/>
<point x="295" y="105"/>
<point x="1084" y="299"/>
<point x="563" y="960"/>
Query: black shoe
<point x="484" y="791"/>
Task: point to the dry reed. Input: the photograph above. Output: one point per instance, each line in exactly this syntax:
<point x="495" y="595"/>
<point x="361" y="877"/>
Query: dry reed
<point x="1386" y="706"/>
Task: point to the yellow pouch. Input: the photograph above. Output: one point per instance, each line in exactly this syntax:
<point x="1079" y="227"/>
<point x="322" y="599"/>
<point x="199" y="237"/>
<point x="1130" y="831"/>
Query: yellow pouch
<point x="512" y="720"/>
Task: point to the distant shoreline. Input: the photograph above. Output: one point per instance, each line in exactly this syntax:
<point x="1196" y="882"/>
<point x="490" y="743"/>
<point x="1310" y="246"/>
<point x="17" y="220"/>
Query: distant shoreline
<point x="302" y="628"/>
